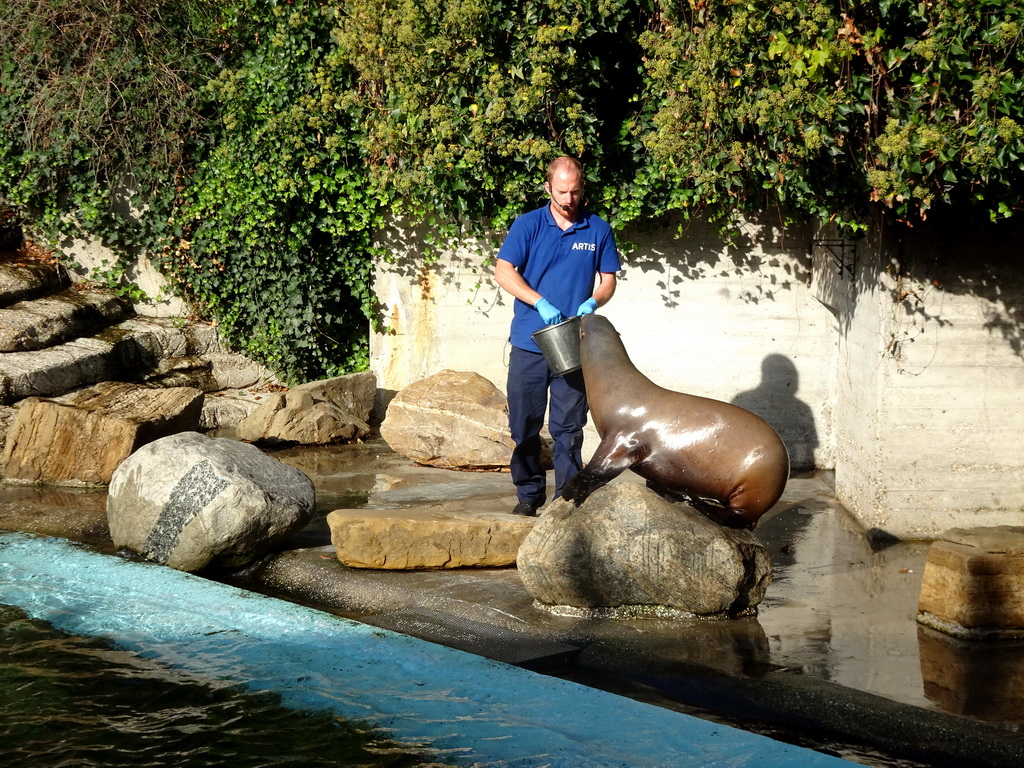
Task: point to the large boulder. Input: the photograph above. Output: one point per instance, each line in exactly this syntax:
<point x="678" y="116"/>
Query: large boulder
<point x="425" y="538"/>
<point x="453" y="419"/>
<point x="194" y="502"/>
<point x="626" y="551"/>
<point x="317" y="413"/>
<point x="354" y="393"/>
<point x="82" y="437"/>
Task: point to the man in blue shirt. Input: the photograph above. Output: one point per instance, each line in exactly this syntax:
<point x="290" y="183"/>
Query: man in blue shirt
<point x="557" y="261"/>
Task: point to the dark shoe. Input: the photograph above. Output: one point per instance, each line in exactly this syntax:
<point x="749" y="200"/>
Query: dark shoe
<point x="527" y="508"/>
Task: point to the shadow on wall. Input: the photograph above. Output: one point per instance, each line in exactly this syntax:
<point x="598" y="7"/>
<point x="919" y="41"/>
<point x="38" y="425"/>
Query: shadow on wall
<point x="925" y="268"/>
<point x="953" y="255"/>
<point x="775" y="401"/>
<point x="949" y="255"/>
<point x="681" y="252"/>
<point x="464" y="266"/>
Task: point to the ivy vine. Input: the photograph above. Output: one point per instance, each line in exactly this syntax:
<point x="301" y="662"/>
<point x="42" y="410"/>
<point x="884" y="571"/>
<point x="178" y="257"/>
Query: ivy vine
<point x="275" y="226"/>
<point x="100" y="106"/>
<point x="269" y="141"/>
<point x="832" y="107"/>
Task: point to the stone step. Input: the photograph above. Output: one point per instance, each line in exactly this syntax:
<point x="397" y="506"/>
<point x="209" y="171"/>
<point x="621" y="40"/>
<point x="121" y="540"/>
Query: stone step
<point x="56" y="370"/>
<point x="168" y="337"/>
<point x="57" y="338"/>
<point x="71" y="313"/>
<point x="139" y="349"/>
<point x="22" y="280"/>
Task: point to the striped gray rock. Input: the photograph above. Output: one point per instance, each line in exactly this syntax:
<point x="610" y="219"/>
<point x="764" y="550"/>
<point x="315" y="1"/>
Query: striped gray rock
<point x="199" y="503"/>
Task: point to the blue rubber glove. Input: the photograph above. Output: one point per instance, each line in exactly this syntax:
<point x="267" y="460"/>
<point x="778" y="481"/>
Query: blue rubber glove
<point x="548" y="312"/>
<point x="588" y="307"/>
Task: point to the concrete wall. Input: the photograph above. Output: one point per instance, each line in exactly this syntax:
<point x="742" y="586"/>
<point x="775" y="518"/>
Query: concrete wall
<point x="733" y="322"/>
<point x="930" y="400"/>
<point x="91" y="259"/>
<point x="905" y="376"/>
<point x="443" y="314"/>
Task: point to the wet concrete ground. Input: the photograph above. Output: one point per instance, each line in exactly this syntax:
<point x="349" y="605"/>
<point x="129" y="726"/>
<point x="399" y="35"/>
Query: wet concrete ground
<point x="835" y="659"/>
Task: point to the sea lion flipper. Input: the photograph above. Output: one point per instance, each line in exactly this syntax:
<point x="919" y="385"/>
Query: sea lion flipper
<point x="581" y="486"/>
<point x="608" y="462"/>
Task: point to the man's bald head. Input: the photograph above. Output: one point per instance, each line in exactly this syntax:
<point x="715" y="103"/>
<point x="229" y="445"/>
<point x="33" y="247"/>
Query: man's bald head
<point x="567" y="165"/>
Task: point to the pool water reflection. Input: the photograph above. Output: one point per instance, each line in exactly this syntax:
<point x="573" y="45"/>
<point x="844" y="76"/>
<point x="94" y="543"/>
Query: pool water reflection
<point x="76" y="701"/>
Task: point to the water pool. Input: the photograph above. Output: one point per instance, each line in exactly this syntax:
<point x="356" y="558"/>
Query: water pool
<point x="77" y="701"/>
<point x="438" y="703"/>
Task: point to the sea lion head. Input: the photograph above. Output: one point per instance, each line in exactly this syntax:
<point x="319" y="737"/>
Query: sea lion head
<point x="598" y="339"/>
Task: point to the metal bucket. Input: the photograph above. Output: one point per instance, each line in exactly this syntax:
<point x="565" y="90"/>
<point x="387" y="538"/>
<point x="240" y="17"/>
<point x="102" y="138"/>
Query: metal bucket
<point x="560" y="344"/>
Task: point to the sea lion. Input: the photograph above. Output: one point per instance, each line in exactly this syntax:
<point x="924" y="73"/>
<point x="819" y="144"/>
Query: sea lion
<point x="694" y="447"/>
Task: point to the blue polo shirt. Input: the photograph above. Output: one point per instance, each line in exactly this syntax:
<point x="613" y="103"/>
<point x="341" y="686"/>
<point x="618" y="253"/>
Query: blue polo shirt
<point x="560" y="265"/>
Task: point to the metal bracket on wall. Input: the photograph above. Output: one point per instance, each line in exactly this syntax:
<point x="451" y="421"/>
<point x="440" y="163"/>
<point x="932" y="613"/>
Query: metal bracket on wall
<point x="843" y="253"/>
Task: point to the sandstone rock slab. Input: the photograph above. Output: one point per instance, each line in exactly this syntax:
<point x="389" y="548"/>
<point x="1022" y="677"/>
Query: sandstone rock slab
<point x="194" y="502"/>
<point x="973" y="583"/>
<point x="83" y="437"/>
<point x="626" y="551"/>
<point x="426" y="538"/>
<point x="453" y="419"/>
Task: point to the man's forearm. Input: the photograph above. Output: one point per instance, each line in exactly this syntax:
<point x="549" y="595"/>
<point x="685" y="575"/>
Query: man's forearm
<point x="512" y="282"/>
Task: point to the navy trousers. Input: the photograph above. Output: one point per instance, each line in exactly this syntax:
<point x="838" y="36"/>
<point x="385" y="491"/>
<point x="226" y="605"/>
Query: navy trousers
<point x="529" y="382"/>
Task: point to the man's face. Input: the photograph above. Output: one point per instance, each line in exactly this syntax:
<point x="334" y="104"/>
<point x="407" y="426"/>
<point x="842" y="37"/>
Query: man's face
<point x="566" y="191"/>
